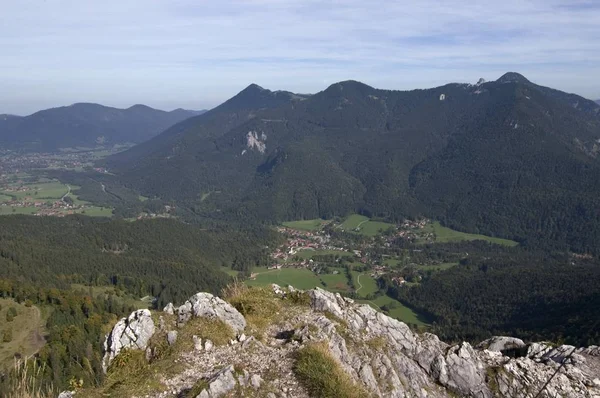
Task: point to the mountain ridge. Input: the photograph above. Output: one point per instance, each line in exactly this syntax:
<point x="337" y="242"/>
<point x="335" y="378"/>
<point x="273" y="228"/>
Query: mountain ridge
<point x="85" y="125"/>
<point x="445" y="152"/>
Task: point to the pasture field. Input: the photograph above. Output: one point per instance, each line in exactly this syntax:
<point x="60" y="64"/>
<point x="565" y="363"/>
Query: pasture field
<point x="335" y="282"/>
<point x="28" y="330"/>
<point x="40" y="191"/>
<point x="7" y="210"/>
<point x="300" y="278"/>
<point x="444" y="234"/>
<point x="364" y="225"/>
<point x="95" y="211"/>
<point x="306" y="225"/>
<point x="364" y="283"/>
<point x="353" y="221"/>
<point x="48" y="191"/>
<point x="397" y="310"/>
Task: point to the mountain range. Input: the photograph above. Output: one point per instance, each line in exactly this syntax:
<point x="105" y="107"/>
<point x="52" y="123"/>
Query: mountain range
<point x="86" y="125"/>
<point x="505" y="158"/>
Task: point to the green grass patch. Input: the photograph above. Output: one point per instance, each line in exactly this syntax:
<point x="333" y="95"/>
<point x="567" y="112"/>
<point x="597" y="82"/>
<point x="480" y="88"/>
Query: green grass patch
<point x="95" y="211"/>
<point x="323" y="376"/>
<point x="40" y="190"/>
<point x="336" y="282"/>
<point x="6" y="210"/>
<point x="364" y="225"/>
<point x="444" y="234"/>
<point x="364" y="284"/>
<point x="397" y="310"/>
<point x="300" y="278"/>
<point x="306" y="225"/>
<point x="353" y="221"/>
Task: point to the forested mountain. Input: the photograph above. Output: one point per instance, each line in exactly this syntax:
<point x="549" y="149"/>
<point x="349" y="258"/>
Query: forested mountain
<point x="85" y="125"/>
<point x="506" y="158"/>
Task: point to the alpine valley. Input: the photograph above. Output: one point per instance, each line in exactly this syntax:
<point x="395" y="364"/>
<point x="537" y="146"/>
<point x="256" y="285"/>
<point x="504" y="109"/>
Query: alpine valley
<point x="355" y="242"/>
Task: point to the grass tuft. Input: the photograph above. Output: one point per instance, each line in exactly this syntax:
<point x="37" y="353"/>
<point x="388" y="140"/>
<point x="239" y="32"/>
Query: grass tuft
<point x="258" y="305"/>
<point x="211" y="329"/>
<point x="323" y="376"/>
<point x="376" y="343"/>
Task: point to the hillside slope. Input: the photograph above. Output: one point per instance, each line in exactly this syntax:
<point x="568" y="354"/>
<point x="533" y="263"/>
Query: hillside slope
<point x="85" y="125"/>
<point x="507" y="158"/>
<point x="316" y="344"/>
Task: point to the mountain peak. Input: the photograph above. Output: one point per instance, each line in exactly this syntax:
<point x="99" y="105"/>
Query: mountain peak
<point x="139" y="107"/>
<point x="254" y="88"/>
<point x="513" y="77"/>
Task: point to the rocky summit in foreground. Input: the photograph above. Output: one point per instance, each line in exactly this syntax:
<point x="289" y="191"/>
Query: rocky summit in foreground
<point x="286" y="343"/>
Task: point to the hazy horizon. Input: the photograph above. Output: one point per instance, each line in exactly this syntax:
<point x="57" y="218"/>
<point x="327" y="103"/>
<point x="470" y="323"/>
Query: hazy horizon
<point x="185" y="54"/>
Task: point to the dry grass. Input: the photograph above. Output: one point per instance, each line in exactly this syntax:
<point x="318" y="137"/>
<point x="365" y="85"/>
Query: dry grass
<point x="258" y="305"/>
<point x="376" y="343"/>
<point x="323" y="376"/>
<point x="130" y="374"/>
<point x="211" y="329"/>
<point x="25" y="381"/>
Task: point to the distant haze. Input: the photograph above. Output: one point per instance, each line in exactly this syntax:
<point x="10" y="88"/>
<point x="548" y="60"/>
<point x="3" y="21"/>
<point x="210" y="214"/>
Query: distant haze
<point x="194" y="55"/>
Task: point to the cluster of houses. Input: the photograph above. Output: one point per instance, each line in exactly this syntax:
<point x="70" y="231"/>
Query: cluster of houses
<point x="57" y="208"/>
<point x="299" y="241"/>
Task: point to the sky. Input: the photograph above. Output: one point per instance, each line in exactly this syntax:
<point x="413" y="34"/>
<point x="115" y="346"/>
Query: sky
<point x="196" y="54"/>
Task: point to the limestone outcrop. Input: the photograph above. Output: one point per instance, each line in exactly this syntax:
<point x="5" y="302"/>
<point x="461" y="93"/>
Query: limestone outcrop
<point x="133" y="332"/>
<point x="381" y="354"/>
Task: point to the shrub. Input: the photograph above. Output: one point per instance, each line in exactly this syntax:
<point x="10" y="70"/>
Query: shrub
<point x="7" y="336"/>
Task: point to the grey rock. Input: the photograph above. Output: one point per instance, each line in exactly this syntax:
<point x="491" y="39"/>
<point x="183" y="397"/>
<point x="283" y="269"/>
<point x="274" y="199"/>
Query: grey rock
<point x="208" y="345"/>
<point x="207" y="305"/>
<point x="197" y="343"/>
<point x="256" y="381"/>
<point x="169" y="309"/>
<point x="221" y="383"/>
<point x="501" y="343"/>
<point x="172" y="337"/>
<point x="277" y="289"/>
<point x="67" y="394"/>
<point x="248" y="341"/>
<point x="133" y="332"/>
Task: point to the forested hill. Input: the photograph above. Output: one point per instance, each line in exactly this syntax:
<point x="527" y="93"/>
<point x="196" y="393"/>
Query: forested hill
<point x="86" y="125"/>
<point x="163" y="258"/>
<point x="506" y="158"/>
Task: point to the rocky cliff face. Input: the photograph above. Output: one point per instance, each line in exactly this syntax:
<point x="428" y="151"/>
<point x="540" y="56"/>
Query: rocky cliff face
<point x="381" y="355"/>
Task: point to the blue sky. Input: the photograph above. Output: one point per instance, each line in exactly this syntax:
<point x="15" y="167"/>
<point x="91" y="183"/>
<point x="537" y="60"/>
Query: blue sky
<point x="196" y="54"/>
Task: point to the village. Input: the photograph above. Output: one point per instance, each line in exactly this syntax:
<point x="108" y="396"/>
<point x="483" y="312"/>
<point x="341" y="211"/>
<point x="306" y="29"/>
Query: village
<point x="331" y="248"/>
